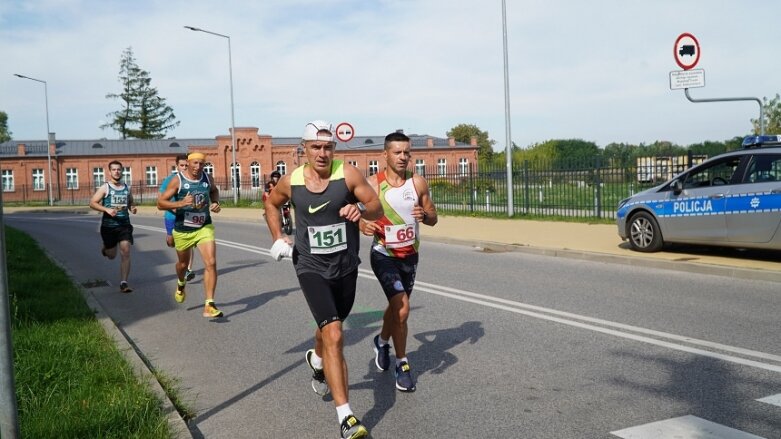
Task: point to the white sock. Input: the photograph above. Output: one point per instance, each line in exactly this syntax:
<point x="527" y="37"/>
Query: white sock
<point x="400" y="360"/>
<point x="317" y="362"/>
<point x="343" y="411"/>
<point x="381" y="341"/>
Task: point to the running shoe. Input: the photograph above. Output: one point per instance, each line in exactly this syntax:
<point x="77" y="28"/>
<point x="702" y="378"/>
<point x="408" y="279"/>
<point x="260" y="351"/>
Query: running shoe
<point x="124" y="287"/>
<point x="318" y="376"/>
<point x="404" y="380"/>
<point x="189" y="275"/>
<point x="211" y="310"/>
<point x="180" y="294"/>
<point x="352" y="428"/>
<point x="382" y="355"/>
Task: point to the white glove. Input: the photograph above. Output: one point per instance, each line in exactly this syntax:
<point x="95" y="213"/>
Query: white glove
<point x="281" y="249"/>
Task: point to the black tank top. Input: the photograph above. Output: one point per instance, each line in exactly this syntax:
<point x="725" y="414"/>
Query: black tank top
<point x="326" y="243"/>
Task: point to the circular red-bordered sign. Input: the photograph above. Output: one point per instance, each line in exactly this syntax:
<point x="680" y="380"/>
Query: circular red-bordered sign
<point x="345" y="132"/>
<point x="686" y="51"/>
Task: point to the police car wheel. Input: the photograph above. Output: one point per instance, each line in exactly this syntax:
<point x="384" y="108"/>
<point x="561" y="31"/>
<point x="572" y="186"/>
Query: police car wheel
<point x="644" y="233"/>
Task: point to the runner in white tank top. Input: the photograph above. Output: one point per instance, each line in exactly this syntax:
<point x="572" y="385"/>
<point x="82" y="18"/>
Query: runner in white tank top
<point x="394" y="257"/>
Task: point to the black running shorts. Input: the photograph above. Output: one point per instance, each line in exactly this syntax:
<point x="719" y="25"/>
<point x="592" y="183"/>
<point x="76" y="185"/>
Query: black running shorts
<point x="396" y="275"/>
<point x="113" y="235"/>
<point x="329" y="300"/>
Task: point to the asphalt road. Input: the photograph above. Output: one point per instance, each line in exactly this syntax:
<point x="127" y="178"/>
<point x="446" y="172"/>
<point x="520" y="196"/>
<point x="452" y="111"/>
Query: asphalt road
<point x="504" y="344"/>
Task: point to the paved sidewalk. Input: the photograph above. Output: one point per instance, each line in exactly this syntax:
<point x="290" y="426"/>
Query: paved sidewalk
<point x="598" y="242"/>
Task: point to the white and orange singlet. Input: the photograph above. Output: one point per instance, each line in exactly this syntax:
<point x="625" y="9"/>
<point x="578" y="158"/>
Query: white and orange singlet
<point x="398" y="234"/>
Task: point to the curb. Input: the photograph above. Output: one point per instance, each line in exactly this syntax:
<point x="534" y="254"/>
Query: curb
<point x="139" y="363"/>
<point x="636" y="261"/>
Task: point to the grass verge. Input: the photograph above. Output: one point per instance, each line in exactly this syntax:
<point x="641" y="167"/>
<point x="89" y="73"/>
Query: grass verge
<point x="71" y="381"/>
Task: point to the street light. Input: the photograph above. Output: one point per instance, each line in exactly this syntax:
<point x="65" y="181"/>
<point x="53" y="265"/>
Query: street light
<point x="508" y="146"/>
<point x="234" y="180"/>
<point x="48" y="151"/>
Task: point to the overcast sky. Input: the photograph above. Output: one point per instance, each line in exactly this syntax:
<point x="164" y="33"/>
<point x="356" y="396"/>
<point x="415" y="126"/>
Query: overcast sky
<point x="594" y="70"/>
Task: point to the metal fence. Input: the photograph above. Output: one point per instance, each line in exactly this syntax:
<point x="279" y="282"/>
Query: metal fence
<point x="585" y="189"/>
<point x="143" y="193"/>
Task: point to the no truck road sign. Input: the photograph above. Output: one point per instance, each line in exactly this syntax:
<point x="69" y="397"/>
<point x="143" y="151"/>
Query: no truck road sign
<point x="686" y="51"/>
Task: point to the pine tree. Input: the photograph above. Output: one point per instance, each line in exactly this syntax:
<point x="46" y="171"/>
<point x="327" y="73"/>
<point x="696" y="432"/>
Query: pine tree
<point x="5" y="135"/>
<point x="144" y="114"/>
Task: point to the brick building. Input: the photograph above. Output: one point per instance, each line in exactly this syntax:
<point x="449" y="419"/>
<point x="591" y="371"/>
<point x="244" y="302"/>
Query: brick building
<point x="79" y="166"/>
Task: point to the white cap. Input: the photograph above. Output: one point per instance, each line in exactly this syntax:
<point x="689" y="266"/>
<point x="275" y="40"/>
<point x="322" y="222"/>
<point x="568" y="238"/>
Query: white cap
<point x="314" y="131"/>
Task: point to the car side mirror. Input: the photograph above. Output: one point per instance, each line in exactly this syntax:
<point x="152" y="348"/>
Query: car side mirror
<point x="676" y="186"/>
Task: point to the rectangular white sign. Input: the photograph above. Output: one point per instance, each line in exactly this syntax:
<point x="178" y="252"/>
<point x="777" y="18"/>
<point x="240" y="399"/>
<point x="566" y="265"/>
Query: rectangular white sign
<point x="687" y="79"/>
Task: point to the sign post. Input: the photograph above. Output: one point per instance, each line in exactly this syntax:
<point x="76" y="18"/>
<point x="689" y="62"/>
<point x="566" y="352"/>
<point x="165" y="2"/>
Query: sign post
<point x="686" y="52"/>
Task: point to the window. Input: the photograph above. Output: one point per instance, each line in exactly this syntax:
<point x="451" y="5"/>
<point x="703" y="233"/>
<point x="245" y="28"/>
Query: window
<point x="8" y="180"/>
<point x="71" y="178"/>
<point x="209" y="169"/>
<point x="717" y="173"/>
<point x="151" y="175"/>
<point x="764" y="168"/>
<point x="254" y="171"/>
<point x="441" y="166"/>
<point x="374" y="167"/>
<point x="127" y="175"/>
<point x="353" y="162"/>
<point x="463" y="166"/>
<point x="98" y="177"/>
<point x="236" y="173"/>
<point x="39" y="183"/>
<point x="420" y="167"/>
<point x="281" y="167"/>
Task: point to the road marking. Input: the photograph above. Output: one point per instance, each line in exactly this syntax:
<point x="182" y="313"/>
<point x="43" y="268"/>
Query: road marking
<point x="565" y="318"/>
<point x="684" y="427"/>
<point x="774" y="399"/>
<point x="640" y="338"/>
<point x="680" y="338"/>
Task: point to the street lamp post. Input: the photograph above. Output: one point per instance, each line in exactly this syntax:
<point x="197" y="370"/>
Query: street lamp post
<point x="234" y="180"/>
<point x="508" y="147"/>
<point x="48" y="146"/>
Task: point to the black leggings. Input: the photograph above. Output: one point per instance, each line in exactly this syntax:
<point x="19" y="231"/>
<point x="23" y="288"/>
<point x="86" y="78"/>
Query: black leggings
<point x="329" y="300"/>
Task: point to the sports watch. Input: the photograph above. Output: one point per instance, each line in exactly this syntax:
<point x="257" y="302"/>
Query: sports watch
<point x="361" y="207"/>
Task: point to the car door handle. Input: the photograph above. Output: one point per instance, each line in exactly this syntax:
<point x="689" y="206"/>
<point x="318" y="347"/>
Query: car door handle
<point x="716" y="196"/>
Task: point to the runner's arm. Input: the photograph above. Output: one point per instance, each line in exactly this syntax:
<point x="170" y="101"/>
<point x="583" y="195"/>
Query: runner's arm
<point x="164" y="199"/>
<point x="276" y="198"/>
<point x="214" y="195"/>
<point x="425" y="211"/>
<point x="358" y="185"/>
<point x="96" y="204"/>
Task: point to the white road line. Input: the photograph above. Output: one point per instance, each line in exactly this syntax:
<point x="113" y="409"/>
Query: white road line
<point x="625" y="327"/>
<point x="565" y="318"/>
<point x="774" y="399"/>
<point x="684" y="427"/>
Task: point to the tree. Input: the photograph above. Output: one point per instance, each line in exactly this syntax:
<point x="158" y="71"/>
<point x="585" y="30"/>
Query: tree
<point x="5" y="135"/>
<point x="560" y="154"/>
<point x="144" y="114"/>
<point x="772" y="111"/>
<point x="464" y="133"/>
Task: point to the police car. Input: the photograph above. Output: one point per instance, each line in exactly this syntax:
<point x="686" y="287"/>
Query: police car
<point x="731" y="200"/>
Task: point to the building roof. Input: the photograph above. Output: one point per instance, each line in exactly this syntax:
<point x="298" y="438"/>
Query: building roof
<point x="105" y="147"/>
<point x="102" y="147"/>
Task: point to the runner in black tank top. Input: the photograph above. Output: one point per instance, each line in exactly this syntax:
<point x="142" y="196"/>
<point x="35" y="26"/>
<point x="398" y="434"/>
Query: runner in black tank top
<point x="329" y="198"/>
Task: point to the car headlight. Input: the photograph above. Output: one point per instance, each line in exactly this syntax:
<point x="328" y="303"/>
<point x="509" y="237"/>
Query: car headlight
<point x="623" y="202"/>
